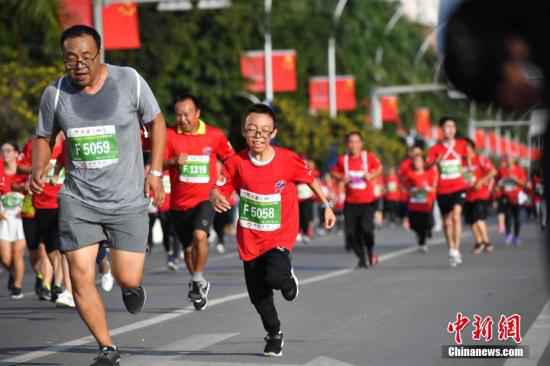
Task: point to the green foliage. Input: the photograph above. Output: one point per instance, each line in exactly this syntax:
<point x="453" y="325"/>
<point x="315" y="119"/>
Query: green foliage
<point x="199" y="52"/>
<point x="20" y="91"/>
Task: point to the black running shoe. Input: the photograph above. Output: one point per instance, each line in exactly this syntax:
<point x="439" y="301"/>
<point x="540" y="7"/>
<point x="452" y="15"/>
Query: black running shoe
<point x="108" y="356"/>
<point x="274" y="345"/>
<point x="198" y="294"/>
<point x="291" y="293"/>
<point x="45" y="294"/>
<point x="134" y="299"/>
<point x="16" y="293"/>
<point x="361" y="265"/>
<point x="55" y="292"/>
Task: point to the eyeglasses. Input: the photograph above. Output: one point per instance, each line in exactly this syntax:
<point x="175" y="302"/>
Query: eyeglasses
<point x="255" y="132"/>
<point x="73" y="62"/>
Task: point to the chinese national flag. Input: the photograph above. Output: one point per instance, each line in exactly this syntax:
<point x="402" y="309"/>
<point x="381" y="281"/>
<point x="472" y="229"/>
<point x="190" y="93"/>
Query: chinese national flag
<point x="74" y="12"/>
<point x="423" y="122"/>
<point x="480" y="139"/>
<point x="390" y="111"/>
<point x="120" y="21"/>
<point x="345" y="93"/>
<point x="283" y="64"/>
<point x="493" y="142"/>
<point x="535" y="154"/>
<point x="523" y="151"/>
<point x="121" y="26"/>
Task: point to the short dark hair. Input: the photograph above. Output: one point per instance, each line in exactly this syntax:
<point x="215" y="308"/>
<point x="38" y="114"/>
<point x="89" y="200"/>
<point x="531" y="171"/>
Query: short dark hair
<point x="261" y="108"/>
<point x="79" y="31"/>
<point x="470" y="142"/>
<point x="13" y="144"/>
<point x="192" y="98"/>
<point x="353" y="133"/>
<point x="444" y="119"/>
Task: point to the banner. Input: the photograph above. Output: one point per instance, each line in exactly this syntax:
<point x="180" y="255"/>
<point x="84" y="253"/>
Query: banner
<point x="479" y="139"/>
<point x="121" y="26"/>
<point x="283" y="66"/>
<point x="74" y="12"/>
<point x="120" y="21"/>
<point x="345" y="93"/>
<point x="423" y="122"/>
<point x="390" y="109"/>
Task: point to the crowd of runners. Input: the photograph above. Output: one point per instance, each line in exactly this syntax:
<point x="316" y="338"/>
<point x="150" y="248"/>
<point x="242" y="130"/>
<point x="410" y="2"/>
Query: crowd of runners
<point x="85" y="192"/>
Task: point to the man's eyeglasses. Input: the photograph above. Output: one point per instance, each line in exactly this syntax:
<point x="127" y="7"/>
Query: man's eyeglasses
<point x="255" y="132"/>
<point x="73" y="62"/>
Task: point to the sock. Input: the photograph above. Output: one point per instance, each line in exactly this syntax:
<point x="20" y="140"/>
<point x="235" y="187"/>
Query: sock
<point x="198" y="277"/>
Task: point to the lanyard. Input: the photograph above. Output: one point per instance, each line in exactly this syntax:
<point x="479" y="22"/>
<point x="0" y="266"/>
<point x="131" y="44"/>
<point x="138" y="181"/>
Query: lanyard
<point x="363" y="158"/>
<point x="451" y="150"/>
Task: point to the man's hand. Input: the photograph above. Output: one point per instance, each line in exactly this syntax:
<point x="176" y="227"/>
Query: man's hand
<point x="154" y="189"/>
<point x="37" y="182"/>
<point x="2" y="216"/>
<point x="219" y="202"/>
<point x="182" y="159"/>
<point x="330" y="218"/>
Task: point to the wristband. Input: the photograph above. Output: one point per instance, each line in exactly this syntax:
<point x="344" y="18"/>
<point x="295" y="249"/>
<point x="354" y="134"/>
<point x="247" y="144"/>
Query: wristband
<point x="155" y="173"/>
<point x="325" y="205"/>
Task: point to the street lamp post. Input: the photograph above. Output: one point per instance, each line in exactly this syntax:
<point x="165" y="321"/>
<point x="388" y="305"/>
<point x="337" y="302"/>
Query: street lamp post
<point x="268" y="54"/>
<point x="332" y="58"/>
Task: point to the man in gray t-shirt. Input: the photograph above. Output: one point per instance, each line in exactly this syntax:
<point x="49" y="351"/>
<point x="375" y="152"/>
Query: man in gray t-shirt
<point x="101" y="109"/>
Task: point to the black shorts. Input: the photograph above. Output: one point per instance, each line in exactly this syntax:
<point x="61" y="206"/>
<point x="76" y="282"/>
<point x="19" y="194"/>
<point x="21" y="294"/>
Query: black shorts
<point x="402" y="211"/>
<point x="421" y="222"/>
<point x="186" y="222"/>
<point x="447" y="202"/>
<point x="359" y="218"/>
<point x="475" y="211"/>
<point x="43" y="228"/>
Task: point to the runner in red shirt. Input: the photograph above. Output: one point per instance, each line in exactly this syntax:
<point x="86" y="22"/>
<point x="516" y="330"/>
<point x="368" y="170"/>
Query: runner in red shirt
<point x="422" y="185"/>
<point x="265" y="177"/>
<point x="405" y="167"/>
<point x="359" y="169"/>
<point x="192" y="149"/>
<point x="392" y="196"/>
<point x="306" y="205"/>
<point x="12" y="238"/>
<point x="512" y="180"/>
<point x="479" y="174"/>
<point x="450" y="156"/>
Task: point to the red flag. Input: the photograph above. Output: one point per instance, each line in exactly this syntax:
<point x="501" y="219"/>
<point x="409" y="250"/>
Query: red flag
<point x="283" y="65"/>
<point x="345" y="93"/>
<point x="523" y="151"/>
<point x="535" y="154"/>
<point x="423" y="122"/>
<point x="74" y="12"/>
<point x="390" y="110"/>
<point x="493" y="142"/>
<point x="121" y="26"/>
<point x="480" y="139"/>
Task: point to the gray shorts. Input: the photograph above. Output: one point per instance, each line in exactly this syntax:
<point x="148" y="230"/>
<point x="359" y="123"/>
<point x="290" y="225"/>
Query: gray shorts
<point x="81" y="225"/>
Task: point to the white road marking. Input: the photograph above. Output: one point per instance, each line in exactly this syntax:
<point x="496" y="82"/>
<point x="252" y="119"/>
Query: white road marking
<point x="537" y="339"/>
<point x="48" y="351"/>
<point x="161" y="355"/>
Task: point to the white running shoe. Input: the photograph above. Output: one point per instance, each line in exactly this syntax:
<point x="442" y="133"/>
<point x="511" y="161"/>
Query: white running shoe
<point x="107" y="281"/>
<point x="458" y="257"/>
<point x="65" y="299"/>
<point x="423" y="249"/>
<point x="220" y="248"/>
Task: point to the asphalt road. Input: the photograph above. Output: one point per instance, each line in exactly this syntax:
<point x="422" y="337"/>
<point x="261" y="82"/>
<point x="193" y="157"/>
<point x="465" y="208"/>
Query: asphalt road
<point x="393" y="314"/>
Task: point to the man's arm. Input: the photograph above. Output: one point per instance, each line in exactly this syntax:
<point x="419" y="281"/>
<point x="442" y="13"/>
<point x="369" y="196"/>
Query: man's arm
<point x="158" y="140"/>
<point x="41" y="153"/>
<point x="329" y="217"/>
